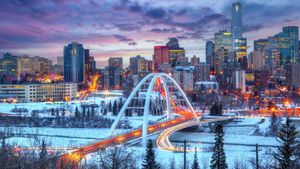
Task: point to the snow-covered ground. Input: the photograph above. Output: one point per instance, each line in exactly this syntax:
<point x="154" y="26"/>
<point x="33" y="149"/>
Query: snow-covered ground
<point x="239" y="140"/>
<point x="42" y="107"/>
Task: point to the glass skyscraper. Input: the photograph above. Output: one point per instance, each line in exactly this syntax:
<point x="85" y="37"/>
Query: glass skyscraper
<point x="236" y="22"/>
<point x="74" y="62"/>
<point x="292" y="32"/>
<point x="283" y="44"/>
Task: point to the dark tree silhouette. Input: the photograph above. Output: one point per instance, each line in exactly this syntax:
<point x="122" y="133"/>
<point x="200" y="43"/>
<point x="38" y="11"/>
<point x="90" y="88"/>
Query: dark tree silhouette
<point x="218" y="160"/>
<point x="195" y="162"/>
<point x="285" y="155"/>
<point x="149" y="161"/>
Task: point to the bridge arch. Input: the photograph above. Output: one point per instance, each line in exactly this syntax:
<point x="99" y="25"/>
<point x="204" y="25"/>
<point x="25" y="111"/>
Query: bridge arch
<point x="147" y="85"/>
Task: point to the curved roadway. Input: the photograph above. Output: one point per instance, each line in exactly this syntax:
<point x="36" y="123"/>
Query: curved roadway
<point x="164" y="143"/>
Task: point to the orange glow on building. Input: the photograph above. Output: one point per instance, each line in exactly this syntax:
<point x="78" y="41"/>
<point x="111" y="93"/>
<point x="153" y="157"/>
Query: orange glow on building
<point x="93" y="85"/>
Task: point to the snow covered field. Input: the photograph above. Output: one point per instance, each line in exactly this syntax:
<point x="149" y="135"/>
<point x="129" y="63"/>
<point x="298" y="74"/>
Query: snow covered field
<point x="240" y="139"/>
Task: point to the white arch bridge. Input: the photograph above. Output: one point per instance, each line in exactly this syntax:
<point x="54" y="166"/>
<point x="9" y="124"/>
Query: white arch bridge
<point x="142" y="101"/>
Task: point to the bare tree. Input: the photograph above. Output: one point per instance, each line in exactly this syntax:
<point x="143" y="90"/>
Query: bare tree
<point x="172" y="163"/>
<point x="117" y="157"/>
<point x="240" y="163"/>
<point x="205" y="163"/>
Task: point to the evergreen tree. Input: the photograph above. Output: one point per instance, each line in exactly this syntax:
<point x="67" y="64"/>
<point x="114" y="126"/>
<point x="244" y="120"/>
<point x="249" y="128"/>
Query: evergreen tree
<point x="109" y="106"/>
<point x="195" y="162"/>
<point x="285" y="155"/>
<point x="218" y="160"/>
<point x="63" y="112"/>
<point x="52" y="112"/>
<point x="43" y="161"/>
<point x="149" y="161"/>
<point x="93" y="112"/>
<point x="57" y="113"/>
<point x="77" y="112"/>
<point x="4" y="154"/>
<point x="88" y="114"/>
<point x="83" y="112"/>
<point x="273" y="129"/>
<point x="114" y="108"/>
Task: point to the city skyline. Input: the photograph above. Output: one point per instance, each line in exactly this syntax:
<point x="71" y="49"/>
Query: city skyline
<point x="135" y="27"/>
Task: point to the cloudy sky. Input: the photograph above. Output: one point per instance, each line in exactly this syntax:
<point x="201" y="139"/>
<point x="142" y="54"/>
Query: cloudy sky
<point x="127" y="28"/>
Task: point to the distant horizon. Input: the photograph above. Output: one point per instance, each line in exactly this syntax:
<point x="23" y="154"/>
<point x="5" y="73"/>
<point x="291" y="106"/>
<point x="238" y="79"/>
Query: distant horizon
<point x="128" y="28"/>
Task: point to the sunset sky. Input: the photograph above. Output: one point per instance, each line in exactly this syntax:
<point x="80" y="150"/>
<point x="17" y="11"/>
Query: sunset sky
<point x="126" y="28"/>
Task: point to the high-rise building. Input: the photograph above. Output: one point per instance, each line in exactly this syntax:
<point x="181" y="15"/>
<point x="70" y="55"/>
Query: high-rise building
<point x="116" y="62"/>
<point x="272" y="56"/>
<point x="86" y="64"/>
<point x="8" y="68"/>
<point x="24" y="66"/>
<point x="139" y="64"/>
<point x="293" y="74"/>
<point x="256" y="60"/>
<point x="260" y="44"/>
<point x="210" y="53"/>
<point x="74" y="62"/>
<point x="236" y="22"/>
<point x="239" y="80"/>
<point x="195" y="61"/>
<point x="161" y="56"/>
<point x="201" y="72"/>
<point x="184" y="76"/>
<point x="60" y="60"/>
<point x="40" y="65"/>
<point x="241" y="52"/>
<point x="175" y="51"/>
<point x="283" y="44"/>
<point x="92" y="65"/>
<point x="220" y="59"/>
<point x="112" y="78"/>
<point x="223" y="39"/>
<point x="293" y="33"/>
<point x="33" y="67"/>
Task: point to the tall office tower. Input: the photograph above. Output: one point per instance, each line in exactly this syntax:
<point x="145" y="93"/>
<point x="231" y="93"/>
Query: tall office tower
<point x="210" y="54"/>
<point x="92" y="65"/>
<point x="223" y="39"/>
<point x="116" y="62"/>
<point x="74" y="62"/>
<point x="8" y="68"/>
<point x="260" y="44"/>
<point x="175" y="51"/>
<point x="138" y="64"/>
<point x="60" y="60"/>
<point x="239" y="80"/>
<point x="201" y="72"/>
<point x="272" y="57"/>
<point x="241" y="52"/>
<point x="292" y="32"/>
<point x="112" y="78"/>
<point x="161" y="56"/>
<point x="284" y="46"/>
<point x="86" y="64"/>
<point x="220" y="60"/>
<point x="195" y="61"/>
<point x="293" y="74"/>
<point x="256" y="60"/>
<point x="40" y="65"/>
<point x="236" y="22"/>
<point x="24" y="66"/>
<point x="184" y="76"/>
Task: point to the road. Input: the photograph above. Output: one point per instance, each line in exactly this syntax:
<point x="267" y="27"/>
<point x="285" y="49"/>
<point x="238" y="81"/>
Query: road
<point x="164" y="143"/>
<point x="73" y="157"/>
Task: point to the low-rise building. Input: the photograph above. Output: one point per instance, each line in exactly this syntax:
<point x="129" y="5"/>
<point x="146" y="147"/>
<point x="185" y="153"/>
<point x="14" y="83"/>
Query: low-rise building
<point x="184" y="76"/>
<point x="207" y="86"/>
<point x="39" y="92"/>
